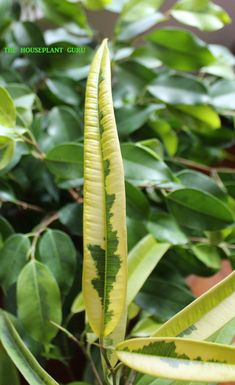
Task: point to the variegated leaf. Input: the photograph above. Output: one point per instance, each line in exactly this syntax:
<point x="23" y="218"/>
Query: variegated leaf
<point x="179" y="359"/>
<point x="105" y="246"/>
<point x="204" y="316"/>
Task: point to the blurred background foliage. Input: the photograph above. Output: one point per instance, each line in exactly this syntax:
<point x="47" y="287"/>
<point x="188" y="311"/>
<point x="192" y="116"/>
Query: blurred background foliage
<point x="174" y="99"/>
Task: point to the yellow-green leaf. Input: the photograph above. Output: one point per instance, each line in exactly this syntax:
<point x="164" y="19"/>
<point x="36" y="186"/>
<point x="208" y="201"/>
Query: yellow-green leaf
<point x="179" y="359"/>
<point x="105" y="246"/>
<point x="204" y="316"/>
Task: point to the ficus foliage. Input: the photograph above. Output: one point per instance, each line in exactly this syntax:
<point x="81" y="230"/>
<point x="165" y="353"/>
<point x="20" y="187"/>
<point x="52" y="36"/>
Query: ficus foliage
<point x="110" y="218"/>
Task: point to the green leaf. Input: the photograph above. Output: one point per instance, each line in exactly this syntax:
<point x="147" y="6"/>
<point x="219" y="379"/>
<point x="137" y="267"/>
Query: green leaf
<point x="21" y="356"/>
<point x="179" y="359"/>
<point x="7" y="109"/>
<point x="208" y="255"/>
<point x="168" y="136"/>
<point x="200" y="181"/>
<point x="8" y="372"/>
<point x="64" y="11"/>
<point x="104" y="218"/>
<point x="206" y="315"/>
<point x="7" y="147"/>
<point x="58" y="253"/>
<point x="63" y="126"/>
<point x="65" y="161"/>
<point x="180" y="49"/>
<point x="178" y="89"/>
<point x="150" y="169"/>
<point x="201" y="14"/>
<point x="38" y="300"/>
<point x="224" y="63"/>
<point x="78" y="305"/>
<point x="165" y="229"/>
<point x="62" y="90"/>
<point x="162" y="298"/>
<point x="6" y="229"/>
<point x="222" y="94"/>
<point x="199" y="210"/>
<point x="13" y="256"/>
<point x="131" y="118"/>
<point x="141" y="261"/>
<point x="200" y="118"/>
<point x="136" y="17"/>
<point x="24" y="99"/>
<point x="137" y="204"/>
<point x="71" y="217"/>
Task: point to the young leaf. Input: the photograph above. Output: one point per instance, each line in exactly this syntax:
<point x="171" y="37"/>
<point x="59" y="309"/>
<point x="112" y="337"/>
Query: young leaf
<point x="38" y="300"/>
<point x="58" y="253"/>
<point x="105" y="246"/>
<point x="20" y="355"/>
<point x="179" y="359"/>
<point x="204" y="316"/>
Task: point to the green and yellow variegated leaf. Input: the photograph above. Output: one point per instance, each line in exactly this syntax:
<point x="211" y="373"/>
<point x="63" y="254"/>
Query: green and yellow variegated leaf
<point x="20" y="354"/>
<point x="105" y="245"/>
<point x="179" y="359"/>
<point x="204" y="316"/>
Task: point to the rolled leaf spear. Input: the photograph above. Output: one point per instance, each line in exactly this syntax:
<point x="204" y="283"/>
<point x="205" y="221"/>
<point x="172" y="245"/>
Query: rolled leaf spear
<point x="104" y="218"/>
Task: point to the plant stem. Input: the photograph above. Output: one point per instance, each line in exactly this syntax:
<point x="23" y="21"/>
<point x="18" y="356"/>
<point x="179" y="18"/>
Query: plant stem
<point x="106" y="359"/>
<point x="85" y="352"/>
<point x="40" y="229"/>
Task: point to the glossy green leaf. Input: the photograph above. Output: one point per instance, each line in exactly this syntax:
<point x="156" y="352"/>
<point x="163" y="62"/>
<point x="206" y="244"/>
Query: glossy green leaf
<point x="223" y="64"/>
<point x="165" y="229"/>
<point x="78" y="305"/>
<point x="179" y="359"/>
<point x="178" y="89"/>
<point x="65" y="161"/>
<point x="180" y="49"/>
<point x="13" y="256"/>
<point x="64" y="12"/>
<point x="104" y="220"/>
<point x="7" y="109"/>
<point x="222" y="94"/>
<point x="163" y="298"/>
<point x="167" y="135"/>
<point x="136" y="17"/>
<point x="200" y="118"/>
<point x="137" y="204"/>
<point x="71" y="217"/>
<point x="204" y="15"/>
<point x="8" y="371"/>
<point x="38" y="301"/>
<point x="130" y="119"/>
<point x="208" y="255"/>
<point x="20" y="354"/>
<point x="24" y="99"/>
<point x="150" y="169"/>
<point x="199" y="210"/>
<point x="58" y="253"/>
<point x="141" y="261"/>
<point x="200" y="181"/>
<point x="62" y="90"/>
<point x="206" y="315"/>
<point x="7" y="147"/>
<point x="6" y="229"/>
